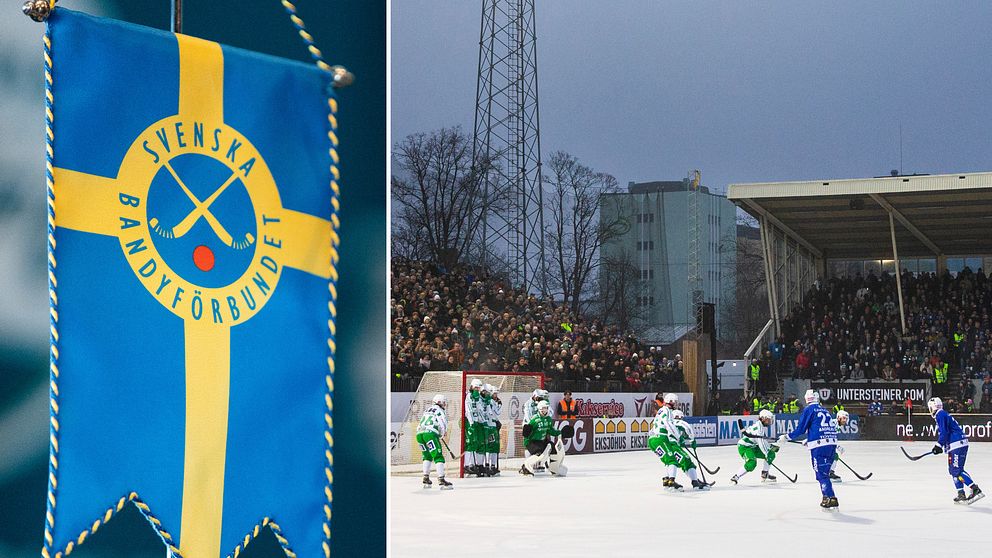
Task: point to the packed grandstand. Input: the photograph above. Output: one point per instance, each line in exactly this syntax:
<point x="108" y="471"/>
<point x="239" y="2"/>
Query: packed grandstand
<point x="847" y="329"/>
<point x="462" y="319"/>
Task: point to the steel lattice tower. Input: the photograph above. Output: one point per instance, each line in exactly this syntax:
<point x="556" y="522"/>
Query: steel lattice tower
<point x="507" y="125"/>
<point x="695" y="276"/>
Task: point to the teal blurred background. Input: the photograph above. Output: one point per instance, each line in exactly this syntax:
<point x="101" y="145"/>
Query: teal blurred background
<point x="350" y="33"/>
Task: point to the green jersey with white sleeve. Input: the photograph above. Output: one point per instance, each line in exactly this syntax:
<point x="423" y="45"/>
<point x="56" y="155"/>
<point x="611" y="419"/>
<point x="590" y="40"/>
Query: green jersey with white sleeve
<point x="474" y="407"/>
<point x="433" y="420"/>
<point x="686" y="436"/>
<point x="756" y="429"/>
<point x="663" y="424"/>
<point x="530" y="410"/>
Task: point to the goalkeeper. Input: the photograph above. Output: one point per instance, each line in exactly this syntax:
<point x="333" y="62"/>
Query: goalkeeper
<point x="537" y="437"/>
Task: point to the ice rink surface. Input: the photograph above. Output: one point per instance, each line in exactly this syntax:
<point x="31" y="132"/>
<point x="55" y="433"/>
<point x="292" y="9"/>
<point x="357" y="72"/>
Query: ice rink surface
<point x="612" y="505"/>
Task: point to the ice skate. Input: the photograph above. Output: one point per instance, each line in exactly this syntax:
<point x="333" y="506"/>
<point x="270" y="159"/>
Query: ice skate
<point x="961" y="498"/>
<point x="766" y="477"/>
<point x="525" y="471"/>
<point x="700" y="485"/>
<point x="829" y="504"/>
<point x="674" y="485"/>
<point x="834" y="477"/>
<point x="734" y="479"/>
<point x="427" y="481"/>
<point x="445" y="485"/>
<point x="976" y="494"/>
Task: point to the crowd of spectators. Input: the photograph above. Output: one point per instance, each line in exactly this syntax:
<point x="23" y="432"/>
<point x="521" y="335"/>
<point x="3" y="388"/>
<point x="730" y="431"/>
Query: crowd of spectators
<point x="849" y="329"/>
<point x="462" y="319"/>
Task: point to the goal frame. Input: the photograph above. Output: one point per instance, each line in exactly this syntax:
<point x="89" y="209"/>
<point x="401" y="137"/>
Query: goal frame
<point x="465" y="381"/>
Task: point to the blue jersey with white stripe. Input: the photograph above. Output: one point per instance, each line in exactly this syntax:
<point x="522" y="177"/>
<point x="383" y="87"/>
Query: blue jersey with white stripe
<point x="948" y="429"/>
<point x="817" y="425"/>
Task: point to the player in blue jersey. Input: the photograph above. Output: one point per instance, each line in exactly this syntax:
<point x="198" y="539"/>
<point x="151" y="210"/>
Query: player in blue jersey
<point x="817" y="425"/>
<point x="952" y="440"/>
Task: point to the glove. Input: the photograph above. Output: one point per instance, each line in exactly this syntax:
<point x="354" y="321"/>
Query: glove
<point x="783" y="439"/>
<point x="693" y="444"/>
<point x="499" y="425"/>
<point x="840" y="450"/>
<point x="937" y="449"/>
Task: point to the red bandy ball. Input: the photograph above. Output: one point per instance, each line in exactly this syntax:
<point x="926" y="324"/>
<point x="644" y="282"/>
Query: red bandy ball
<point x="203" y="258"/>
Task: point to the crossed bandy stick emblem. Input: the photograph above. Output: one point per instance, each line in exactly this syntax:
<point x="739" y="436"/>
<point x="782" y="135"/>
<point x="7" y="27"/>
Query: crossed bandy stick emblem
<point x="201" y="209"/>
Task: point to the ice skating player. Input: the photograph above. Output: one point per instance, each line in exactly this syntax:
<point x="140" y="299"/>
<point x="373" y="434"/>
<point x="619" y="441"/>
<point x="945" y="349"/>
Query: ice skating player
<point x="537" y="435"/>
<point x="664" y="441"/>
<point x="753" y="449"/>
<point x="686" y="440"/>
<point x="474" y="425"/>
<point x="433" y="426"/>
<point x="492" y="407"/>
<point x="843" y="417"/>
<point x="952" y="440"/>
<point x="821" y="439"/>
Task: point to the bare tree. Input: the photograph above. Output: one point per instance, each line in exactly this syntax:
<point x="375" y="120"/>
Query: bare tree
<point x="574" y="227"/>
<point x="745" y="278"/>
<point x="438" y="194"/>
<point x="621" y="285"/>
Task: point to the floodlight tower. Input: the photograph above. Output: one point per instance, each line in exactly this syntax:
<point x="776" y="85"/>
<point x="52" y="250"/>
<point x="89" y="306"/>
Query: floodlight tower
<point x="695" y="276"/>
<point x="507" y="126"/>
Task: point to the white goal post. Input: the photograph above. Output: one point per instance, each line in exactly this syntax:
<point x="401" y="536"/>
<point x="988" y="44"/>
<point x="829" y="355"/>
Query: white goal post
<point x="515" y="388"/>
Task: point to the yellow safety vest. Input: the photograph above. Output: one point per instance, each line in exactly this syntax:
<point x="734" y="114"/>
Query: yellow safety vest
<point x="940" y="372"/>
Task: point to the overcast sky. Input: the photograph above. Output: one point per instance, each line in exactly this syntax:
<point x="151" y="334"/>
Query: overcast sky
<point x="743" y="91"/>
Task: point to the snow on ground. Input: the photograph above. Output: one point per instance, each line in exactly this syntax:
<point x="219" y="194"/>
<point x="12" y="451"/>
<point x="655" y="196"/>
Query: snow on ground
<point x="613" y="505"/>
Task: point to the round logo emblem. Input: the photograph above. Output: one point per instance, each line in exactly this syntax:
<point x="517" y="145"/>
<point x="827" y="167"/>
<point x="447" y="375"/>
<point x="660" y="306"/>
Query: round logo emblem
<point x="199" y="213"/>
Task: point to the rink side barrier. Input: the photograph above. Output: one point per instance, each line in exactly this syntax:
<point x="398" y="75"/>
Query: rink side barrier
<point x="588" y="404"/>
<point x="978" y="428"/>
<point x="865" y="391"/>
<point x="632" y="433"/>
<point x="608" y="435"/>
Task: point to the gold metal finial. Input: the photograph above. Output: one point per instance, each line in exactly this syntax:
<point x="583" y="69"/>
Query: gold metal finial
<point x="342" y="77"/>
<point x="38" y="10"/>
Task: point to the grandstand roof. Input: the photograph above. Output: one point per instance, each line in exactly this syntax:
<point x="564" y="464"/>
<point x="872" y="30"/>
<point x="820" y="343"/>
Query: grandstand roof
<point x="949" y="214"/>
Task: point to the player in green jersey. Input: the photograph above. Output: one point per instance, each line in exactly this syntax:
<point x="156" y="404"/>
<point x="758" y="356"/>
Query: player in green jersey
<point x="530" y="409"/>
<point x="687" y="439"/>
<point x="753" y="449"/>
<point x="433" y="426"/>
<point x="491" y="407"/>
<point x="537" y="438"/>
<point x="664" y="441"/>
<point x="474" y="424"/>
<point x="843" y="418"/>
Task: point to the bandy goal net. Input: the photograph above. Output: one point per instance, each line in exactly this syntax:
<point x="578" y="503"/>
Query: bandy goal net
<point x="515" y="388"/>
